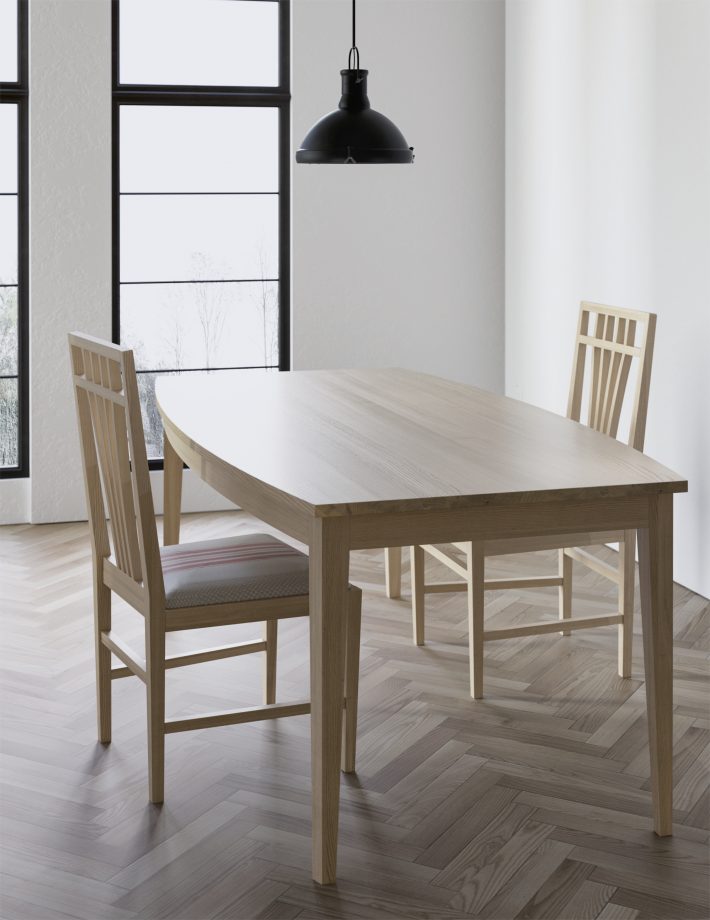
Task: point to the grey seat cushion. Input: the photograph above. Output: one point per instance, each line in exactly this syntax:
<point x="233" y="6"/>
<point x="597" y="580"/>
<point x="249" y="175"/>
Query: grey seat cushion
<point x="247" y="568"/>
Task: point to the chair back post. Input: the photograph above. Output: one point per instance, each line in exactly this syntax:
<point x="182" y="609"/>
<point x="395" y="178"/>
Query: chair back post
<point x="115" y="464"/>
<point x="142" y="492"/>
<point x="96" y="509"/>
<point x="637" y="433"/>
<point x="613" y="349"/>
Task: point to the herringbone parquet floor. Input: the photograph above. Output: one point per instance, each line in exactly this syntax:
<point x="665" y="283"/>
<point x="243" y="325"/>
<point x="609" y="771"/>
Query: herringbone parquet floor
<point x="534" y="803"/>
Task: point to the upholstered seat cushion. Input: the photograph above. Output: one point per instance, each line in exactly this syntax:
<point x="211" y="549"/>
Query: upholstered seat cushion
<point x="246" y="568"/>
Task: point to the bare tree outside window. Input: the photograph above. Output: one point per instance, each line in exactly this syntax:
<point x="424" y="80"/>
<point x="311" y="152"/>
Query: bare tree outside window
<point x="203" y="237"/>
<point x="267" y="303"/>
<point x="210" y="307"/>
<point x="9" y="401"/>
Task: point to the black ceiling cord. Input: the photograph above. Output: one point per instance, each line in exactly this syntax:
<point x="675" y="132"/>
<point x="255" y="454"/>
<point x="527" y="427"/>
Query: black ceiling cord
<point x="354" y="132"/>
<point x="354" y="53"/>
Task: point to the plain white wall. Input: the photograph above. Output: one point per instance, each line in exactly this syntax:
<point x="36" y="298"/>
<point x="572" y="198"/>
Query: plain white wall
<point x="403" y="265"/>
<point x="393" y="265"/>
<point x="608" y="199"/>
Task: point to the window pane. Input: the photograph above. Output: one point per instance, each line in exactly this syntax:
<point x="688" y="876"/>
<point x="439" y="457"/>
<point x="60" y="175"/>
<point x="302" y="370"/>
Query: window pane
<point x="152" y="425"/>
<point x="9" y="423"/>
<point x="177" y="326"/>
<point x="8" y="239"/>
<point x="176" y="148"/>
<point x="199" y="42"/>
<point x="189" y="237"/>
<point x="8" y="147"/>
<point x="8" y="330"/>
<point x="8" y="41"/>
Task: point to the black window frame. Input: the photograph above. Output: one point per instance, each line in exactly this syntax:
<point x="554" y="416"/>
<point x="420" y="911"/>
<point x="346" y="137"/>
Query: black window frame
<point x="17" y="93"/>
<point x="278" y="97"/>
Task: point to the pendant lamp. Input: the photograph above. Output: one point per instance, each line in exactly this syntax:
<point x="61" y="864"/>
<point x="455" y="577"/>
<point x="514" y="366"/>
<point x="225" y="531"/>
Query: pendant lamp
<point x="354" y="132"/>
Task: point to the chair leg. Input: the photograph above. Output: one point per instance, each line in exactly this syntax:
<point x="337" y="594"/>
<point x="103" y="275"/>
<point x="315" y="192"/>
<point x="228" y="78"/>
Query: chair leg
<point x="271" y="639"/>
<point x="393" y="572"/>
<point x="417" y="557"/>
<point x="627" y="572"/>
<point x="475" y="565"/>
<point x="102" y="623"/>
<point x="352" y="679"/>
<point x="155" y="686"/>
<point x="565" y="589"/>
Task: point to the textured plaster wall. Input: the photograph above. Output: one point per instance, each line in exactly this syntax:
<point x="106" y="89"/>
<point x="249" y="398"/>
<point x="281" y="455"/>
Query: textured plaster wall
<point x="70" y="221"/>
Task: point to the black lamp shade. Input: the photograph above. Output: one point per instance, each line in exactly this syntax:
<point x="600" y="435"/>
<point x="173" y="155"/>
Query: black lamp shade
<point x="354" y="132"/>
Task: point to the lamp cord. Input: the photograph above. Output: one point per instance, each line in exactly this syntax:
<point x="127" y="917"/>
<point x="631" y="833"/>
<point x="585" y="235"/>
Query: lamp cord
<point x="354" y="53"/>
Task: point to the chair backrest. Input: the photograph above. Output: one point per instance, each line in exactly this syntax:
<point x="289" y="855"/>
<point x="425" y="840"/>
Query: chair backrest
<point x="114" y="459"/>
<point x="619" y="338"/>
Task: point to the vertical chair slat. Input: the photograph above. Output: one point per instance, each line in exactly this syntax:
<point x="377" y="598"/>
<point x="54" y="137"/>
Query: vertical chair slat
<point x="93" y="374"/>
<point x="126" y="489"/>
<point x="574" y="405"/>
<point x="605" y="371"/>
<point x="613" y="382"/>
<point x="620" y="392"/>
<point x="119" y="431"/>
<point x="643" y="385"/>
<point x="119" y="440"/>
<point x="140" y="482"/>
<point x="596" y="373"/>
<point x="94" y="497"/>
<point x="100" y="434"/>
<point x="119" y="523"/>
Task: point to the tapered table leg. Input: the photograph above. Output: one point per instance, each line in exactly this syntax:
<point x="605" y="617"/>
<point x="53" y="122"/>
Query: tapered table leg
<point x="172" y="494"/>
<point x="656" y="570"/>
<point x="393" y="571"/>
<point x="329" y="561"/>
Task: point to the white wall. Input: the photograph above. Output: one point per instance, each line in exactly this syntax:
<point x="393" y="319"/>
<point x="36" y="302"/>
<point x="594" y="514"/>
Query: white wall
<point x="608" y="199"/>
<point x="403" y="265"/>
<point x="70" y="231"/>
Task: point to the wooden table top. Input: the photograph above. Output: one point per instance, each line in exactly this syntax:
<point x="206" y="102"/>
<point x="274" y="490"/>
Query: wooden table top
<point x="363" y="441"/>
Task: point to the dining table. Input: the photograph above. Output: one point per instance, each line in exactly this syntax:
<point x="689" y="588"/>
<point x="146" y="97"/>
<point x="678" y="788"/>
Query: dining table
<point x="344" y="460"/>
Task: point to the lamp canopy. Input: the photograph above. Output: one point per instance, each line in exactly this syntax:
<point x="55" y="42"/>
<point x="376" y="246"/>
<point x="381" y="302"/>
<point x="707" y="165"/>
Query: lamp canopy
<point x="354" y="132"/>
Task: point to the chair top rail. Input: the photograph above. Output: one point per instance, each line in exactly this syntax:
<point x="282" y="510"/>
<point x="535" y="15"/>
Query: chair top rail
<point x="638" y="315"/>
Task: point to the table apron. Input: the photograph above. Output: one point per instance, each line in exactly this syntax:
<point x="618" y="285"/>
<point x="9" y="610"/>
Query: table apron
<point x="535" y="519"/>
<point x="282" y="511"/>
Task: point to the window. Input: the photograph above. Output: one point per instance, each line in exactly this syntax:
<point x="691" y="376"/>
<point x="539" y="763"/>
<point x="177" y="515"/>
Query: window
<point x="14" y="416"/>
<point x="201" y="189"/>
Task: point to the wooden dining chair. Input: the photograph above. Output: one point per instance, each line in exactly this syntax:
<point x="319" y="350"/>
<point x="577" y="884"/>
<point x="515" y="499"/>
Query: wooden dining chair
<point x="245" y="579"/>
<point x="608" y="342"/>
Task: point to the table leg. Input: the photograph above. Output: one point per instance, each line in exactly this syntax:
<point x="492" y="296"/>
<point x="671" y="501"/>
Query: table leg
<point x="172" y="494"/>
<point x="393" y="571"/>
<point x="656" y="569"/>
<point x="329" y="563"/>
